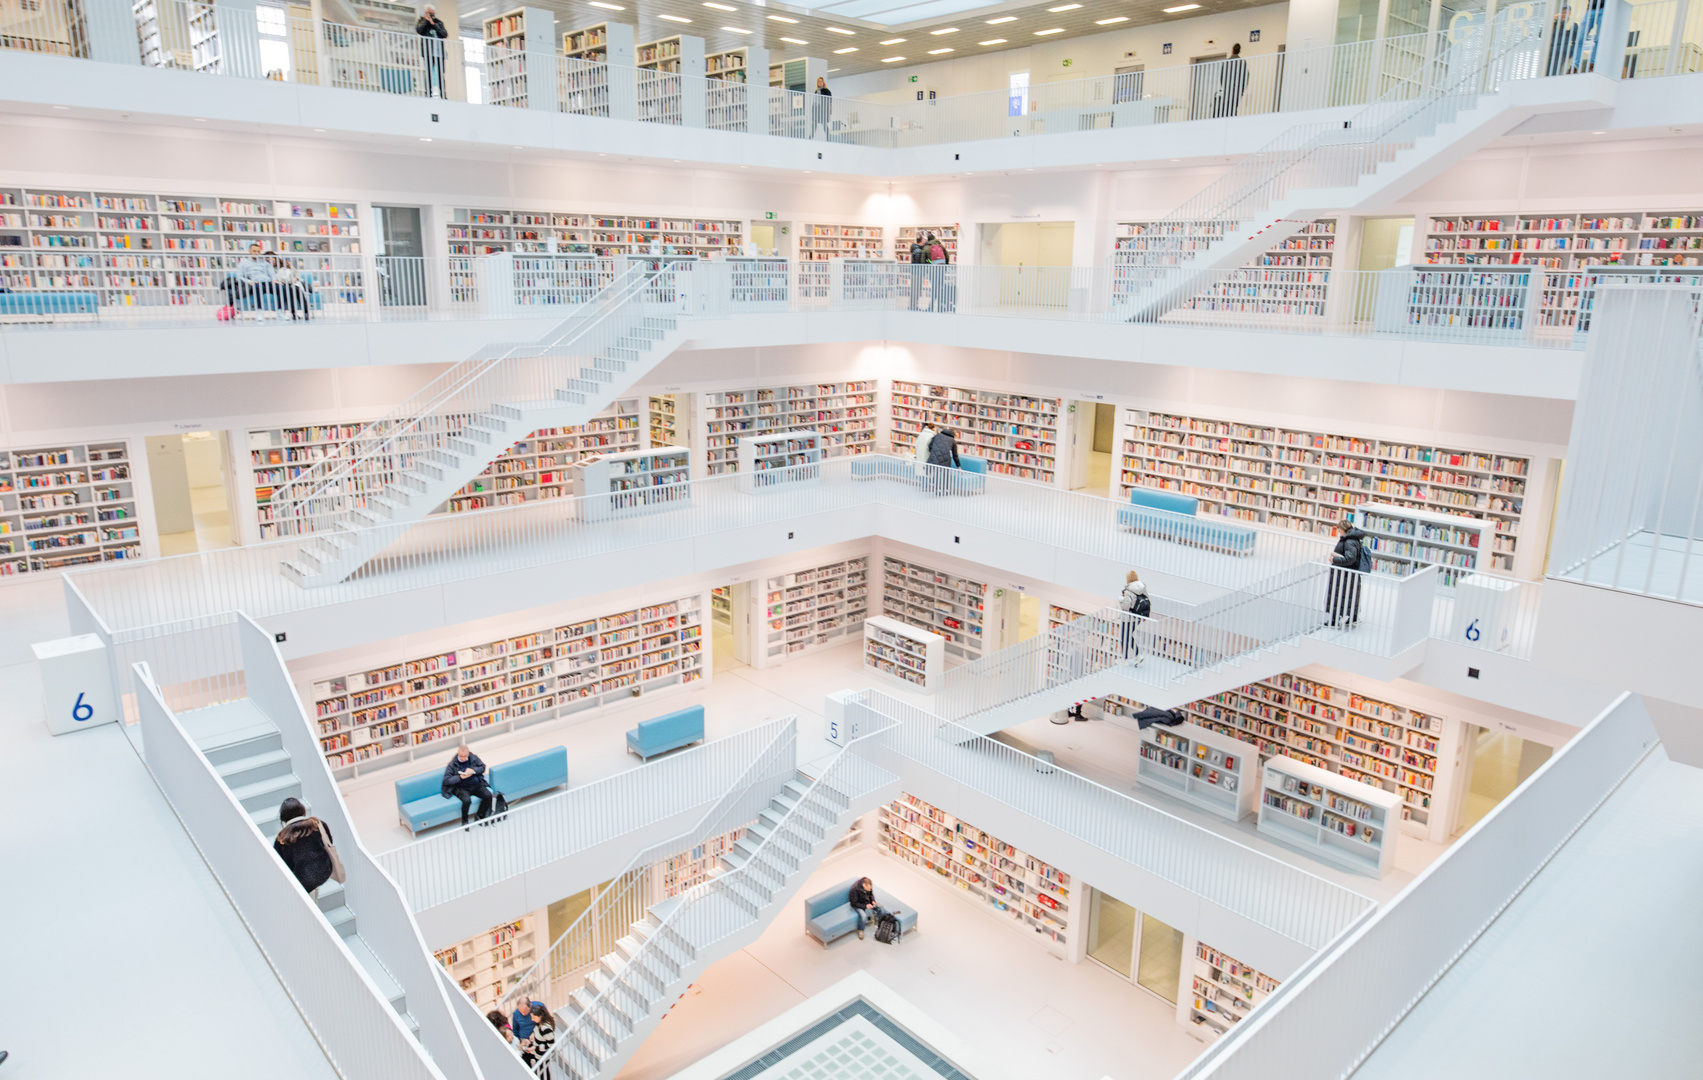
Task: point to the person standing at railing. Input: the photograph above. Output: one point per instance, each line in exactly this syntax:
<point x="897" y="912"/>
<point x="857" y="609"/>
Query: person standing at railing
<point x="1137" y="605"/>
<point x="822" y="110"/>
<point x="1351" y="559"/>
<point x="1233" y="80"/>
<point x="919" y="258"/>
<point x="432" y="29"/>
<point x="1562" y="32"/>
<point x="940" y="260"/>
<point x="1589" y="33"/>
<point x="943" y="455"/>
<point x="464" y="779"/>
<point x="536" y="1046"/>
<point x="924" y="438"/>
<point x="290" y="287"/>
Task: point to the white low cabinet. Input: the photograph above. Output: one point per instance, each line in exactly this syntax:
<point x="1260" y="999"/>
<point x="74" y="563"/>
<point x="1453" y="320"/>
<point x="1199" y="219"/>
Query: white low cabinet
<point x="1214" y="772"/>
<point x="633" y="482"/>
<point x="915" y="659"/>
<point x="1332" y="818"/>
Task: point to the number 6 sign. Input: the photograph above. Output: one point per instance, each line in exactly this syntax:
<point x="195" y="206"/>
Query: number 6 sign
<point x="76" y="683"/>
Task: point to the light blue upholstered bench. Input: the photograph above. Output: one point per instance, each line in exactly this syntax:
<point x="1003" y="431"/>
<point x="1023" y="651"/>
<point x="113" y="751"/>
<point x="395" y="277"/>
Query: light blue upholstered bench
<point x="49" y="303"/>
<point x="660" y="734"/>
<point x="828" y="915"/>
<point x="1169" y="516"/>
<point x="420" y="803"/>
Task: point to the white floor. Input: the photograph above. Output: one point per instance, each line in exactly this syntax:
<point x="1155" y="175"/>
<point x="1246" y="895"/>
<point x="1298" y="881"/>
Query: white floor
<point x="966" y="969"/>
<point x="1588" y="974"/>
<point x="1667" y="566"/>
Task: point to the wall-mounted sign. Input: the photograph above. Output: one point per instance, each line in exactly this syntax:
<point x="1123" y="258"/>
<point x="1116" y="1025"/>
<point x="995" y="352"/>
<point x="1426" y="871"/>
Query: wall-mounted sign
<point x="1166" y="48"/>
<point x="768" y="215"/>
<point x="1253" y="35"/>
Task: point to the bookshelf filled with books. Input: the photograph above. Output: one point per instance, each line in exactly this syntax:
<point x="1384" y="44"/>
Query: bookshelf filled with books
<point x="632" y="482"/>
<point x="1217" y="773"/>
<point x="911" y="657"/>
<point x="476" y="231"/>
<point x="664" y="427"/>
<point x="818" y="243"/>
<point x="1307" y="480"/>
<point x="721" y="606"/>
<point x="677" y="873"/>
<point x="67" y="504"/>
<point x="417" y="705"/>
<point x="1328" y="816"/>
<point x="1222" y="991"/>
<point x="759" y="283"/>
<point x="1016" y="434"/>
<point x="813" y="607"/>
<point x="1568" y="240"/>
<point x="1032" y="896"/>
<point x="842" y="414"/>
<point x="488" y="965"/>
<point x="949" y="604"/>
<point x="727" y="93"/>
<point x="1403" y="540"/>
<point x="1058" y="616"/>
<point x="1290" y="280"/>
<point x="780" y="459"/>
<point x="908" y="234"/>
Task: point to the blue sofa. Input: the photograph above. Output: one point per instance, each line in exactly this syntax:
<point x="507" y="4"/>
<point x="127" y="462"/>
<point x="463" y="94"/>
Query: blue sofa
<point x="271" y="301"/>
<point x="828" y="915"/>
<point x="660" y="734"/>
<point x="420" y="803"/>
<point x="49" y="303"/>
<point x="972" y="476"/>
<point x="1169" y="516"/>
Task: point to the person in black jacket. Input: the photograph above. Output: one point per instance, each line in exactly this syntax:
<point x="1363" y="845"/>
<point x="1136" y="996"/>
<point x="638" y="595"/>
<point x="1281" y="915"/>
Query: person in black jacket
<point x="464" y="779"/>
<point x="864" y="905"/>
<point x="1349" y="561"/>
<point x="432" y="29"/>
<point x="301" y="844"/>
<point x="822" y="110"/>
<point x="1146" y="718"/>
<point x="1233" y="80"/>
<point x="919" y="257"/>
<point x="942" y="454"/>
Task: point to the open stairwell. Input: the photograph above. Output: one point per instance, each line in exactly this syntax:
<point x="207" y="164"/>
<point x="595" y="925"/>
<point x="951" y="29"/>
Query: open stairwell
<point x="246" y="750"/>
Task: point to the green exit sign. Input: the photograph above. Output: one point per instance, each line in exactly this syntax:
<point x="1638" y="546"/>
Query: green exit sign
<point x="768" y="215"/>
<point x="913" y="78"/>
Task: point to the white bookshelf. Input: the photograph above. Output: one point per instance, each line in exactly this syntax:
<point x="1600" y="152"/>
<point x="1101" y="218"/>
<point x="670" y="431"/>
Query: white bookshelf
<point x="842" y="414"/>
<point x="1328" y="816"/>
<point x="1288" y="281"/>
<point x="1016" y="434"/>
<point x="677" y="873"/>
<point x="867" y="283"/>
<point x="949" y="604"/>
<point x="1306" y="480"/>
<point x="1218" y="773"/>
<point x="482" y="231"/>
<point x="488" y="965"/>
<point x="1031" y="896"/>
<point x="1222" y="991"/>
<point x="819" y="243"/>
<point x="1403" y="540"/>
<point x="721" y="606"/>
<point x="633" y="482"/>
<point x="913" y="658"/>
<point x="1057" y="616"/>
<point x="760" y="283"/>
<point x="785" y="458"/>
<point x="664" y="420"/>
<point x="809" y="608"/>
<point x="946" y="234"/>
<point x="416" y="705"/>
<point x="67" y="504"/>
<point x="1567" y="240"/>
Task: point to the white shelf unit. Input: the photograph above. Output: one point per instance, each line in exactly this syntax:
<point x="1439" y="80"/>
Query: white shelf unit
<point x="1403" y="540"/>
<point x="1033" y="896"/>
<point x="867" y="283"/>
<point x="727" y="98"/>
<point x="818" y="243"/>
<point x="760" y="283"/>
<point x="677" y="873"/>
<point x="948" y="604"/>
<point x="1016" y="434"/>
<point x="813" y="607"/>
<point x="67" y="504"/>
<point x="900" y="652"/>
<point x="664" y="420"/>
<point x="151" y="248"/>
<point x="414" y="707"/>
<point x="946" y="234"/>
<point x="1393" y="747"/>
<point x="633" y="482"/>
<point x="475" y="231"/>
<point x="768" y="462"/>
<point x="164" y="42"/>
<point x="1334" y="819"/>
<point x="670" y="81"/>
<point x="514" y="42"/>
<point x="721" y="606"/>
<point x="1218" y="773"/>
<point x="598" y="75"/>
<point x="1503" y="301"/>
<point x="1058" y="616"/>
<point x="1306" y="480"/>
<point x="843" y="414"/>
<point x="489" y="965"/>
<point x="1222" y="992"/>
<point x="1567" y="240"/>
<point x="1288" y="281"/>
<point x="537" y="467"/>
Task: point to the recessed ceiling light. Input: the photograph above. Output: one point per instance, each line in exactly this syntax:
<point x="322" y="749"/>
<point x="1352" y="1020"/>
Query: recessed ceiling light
<point x="782" y="18"/>
<point x="674" y="18"/>
<point x="1065" y="7"/>
<point x="893" y="41"/>
<point x="721" y="7"/>
<point x="947" y="30"/>
<point x="200" y="119"/>
<point x="892" y="60"/>
<point x="995" y="41"/>
<point x="62" y="106"/>
<point x="1108" y="22"/>
<point x="611" y="7"/>
<point x="735" y="30"/>
<point x="837" y="30"/>
<point x="841" y="52"/>
<point x="795" y="41"/>
<point x="316" y="129"/>
<point x="1002" y="18"/>
<point x="1599" y="133"/>
<point x="424" y="139"/>
<point x="937" y="52"/>
<point x="1185" y="7"/>
<point x="1054" y="30"/>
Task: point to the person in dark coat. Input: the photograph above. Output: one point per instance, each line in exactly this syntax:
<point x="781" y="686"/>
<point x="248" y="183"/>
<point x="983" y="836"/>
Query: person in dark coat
<point x="864" y="906"/>
<point x="822" y="110"/>
<point x="1233" y="81"/>
<point x="464" y="779"/>
<point x="435" y="33"/>
<point x="942" y="454"/>
<point x="1146" y="718"/>
<point x="301" y="845"/>
<point x="1346" y="565"/>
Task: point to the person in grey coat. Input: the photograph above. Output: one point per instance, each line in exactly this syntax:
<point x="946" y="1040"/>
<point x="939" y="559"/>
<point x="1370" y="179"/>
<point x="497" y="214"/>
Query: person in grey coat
<point x="943" y="454"/>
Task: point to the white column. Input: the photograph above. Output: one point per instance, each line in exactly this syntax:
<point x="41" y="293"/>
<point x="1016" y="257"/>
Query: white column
<point x="542" y="45"/>
<point x="623" y="76"/>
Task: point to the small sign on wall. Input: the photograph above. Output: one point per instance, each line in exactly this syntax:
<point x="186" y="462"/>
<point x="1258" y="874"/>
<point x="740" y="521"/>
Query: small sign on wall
<point x="1166" y="48"/>
<point x="1253" y="35"/>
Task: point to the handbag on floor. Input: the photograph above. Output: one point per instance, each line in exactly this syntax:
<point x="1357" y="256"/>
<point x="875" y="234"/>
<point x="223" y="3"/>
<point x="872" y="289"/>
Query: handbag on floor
<point x="338" y="874"/>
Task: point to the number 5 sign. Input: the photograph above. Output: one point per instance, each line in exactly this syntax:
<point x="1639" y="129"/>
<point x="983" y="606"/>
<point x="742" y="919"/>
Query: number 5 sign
<point x="76" y="683"/>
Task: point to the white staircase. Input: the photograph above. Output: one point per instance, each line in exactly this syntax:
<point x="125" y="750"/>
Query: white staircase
<point x="246" y="750"/>
<point x="403" y="467"/>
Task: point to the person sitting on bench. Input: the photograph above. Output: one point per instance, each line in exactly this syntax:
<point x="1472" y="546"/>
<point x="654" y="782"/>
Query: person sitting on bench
<point x="864" y="905"/>
<point x="464" y="779"/>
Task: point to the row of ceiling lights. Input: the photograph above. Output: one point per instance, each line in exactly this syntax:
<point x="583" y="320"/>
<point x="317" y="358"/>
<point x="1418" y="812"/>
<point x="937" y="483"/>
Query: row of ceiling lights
<point x="898" y="40"/>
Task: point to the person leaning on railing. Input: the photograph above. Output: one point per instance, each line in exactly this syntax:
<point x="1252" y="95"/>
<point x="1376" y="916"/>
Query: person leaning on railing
<point x="1348" y="562"/>
<point x="432" y="29"/>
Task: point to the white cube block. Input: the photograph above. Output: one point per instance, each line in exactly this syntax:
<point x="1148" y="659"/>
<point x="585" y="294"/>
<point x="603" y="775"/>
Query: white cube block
<point x="1484" y="612"/>
<point x="76" y="683"/>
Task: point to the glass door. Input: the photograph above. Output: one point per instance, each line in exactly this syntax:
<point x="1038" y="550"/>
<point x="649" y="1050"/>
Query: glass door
<point x="1134" y="944"/>
<point x="1159" y="962"/>
<point x="401" y="257"/>
<point x="1111" y="932"/>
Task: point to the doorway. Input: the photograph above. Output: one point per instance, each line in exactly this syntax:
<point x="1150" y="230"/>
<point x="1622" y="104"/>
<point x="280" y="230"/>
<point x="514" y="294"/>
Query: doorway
<point x="188" y="475"/>
<point x="401" y="257"/>
<point x="1385" y="243"/>
<point x="763" y="236"/>
<point x="1205" y="82"/>
<point x="1039" y="254"/>
<point x="1135" y="945"/>
<point x="1091" y="428"/>
<point x="1019" y="617"/>
<point x="1499" y="763"/>
<point x="731" y="629"/>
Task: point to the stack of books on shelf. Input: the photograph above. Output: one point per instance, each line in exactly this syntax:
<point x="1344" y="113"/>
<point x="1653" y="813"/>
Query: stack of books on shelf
<point x="66" y="505"/>
<point x="1016" y="434"/>
<point x="1223" y="991"/>
<point x="1567" y="240"/>
<point x="817" y="606"/>
<point x="902" y="652"/>
<point x="841" y="414"/>
<point x="1291" y="280"/>
<point x="1328" y="816"/>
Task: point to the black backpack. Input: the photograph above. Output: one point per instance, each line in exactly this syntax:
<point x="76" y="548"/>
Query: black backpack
<point x="887" y="929"/>
<point x="919" y="252"/>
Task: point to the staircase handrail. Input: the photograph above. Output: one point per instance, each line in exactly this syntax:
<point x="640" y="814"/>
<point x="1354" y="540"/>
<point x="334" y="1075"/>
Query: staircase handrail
<point x="778" y="756"/>
<point x="684" y="916"/>
<point x="381" y="438"/>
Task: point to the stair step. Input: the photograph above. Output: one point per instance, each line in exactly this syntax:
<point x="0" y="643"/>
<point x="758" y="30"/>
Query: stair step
<point x="341" y="918"/>
<point x="268" y="792"/>
<point x="387" y="986"/>
<point x="247" y="770"/>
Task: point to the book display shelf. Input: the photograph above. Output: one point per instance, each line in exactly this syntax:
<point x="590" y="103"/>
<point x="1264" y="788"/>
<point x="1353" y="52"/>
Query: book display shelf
<point x="916" y="659"/>
<point x="842" y="414"/>
<point x="416" y="706"/>
<point x="760" y="283"/>
<point x="119" y="241"/>
<point x="949" y="604"/>
<point x="809" y="608"/>
<point x="721" y="606"/>
<point x="1328" y="816"/>
<point x="1016" y="434"/>
<point x="1392" y="747"/>
<point x="674" y="875"/>
<point x="488" y="965"/>
<point x="869" y="283"/>
<point x="66" y="505"/>
<point x="1222" y="992"/>
<point x="727" y="99"/>
<point x="1058" y="616"/>
<point x="820" y="243"/>
<point x="769" y="462"/>
<point x="1033" y="896"/>
<point x="946" y="234"/>
<point x="1218" y="773"/>
<point x="632" y="482"/>
<point x="664" y="420"/>
<point x="1306" y="480"/>
<point x="1403" y="540"/>
<point x="1568" y="240"/>
<point x="1507" y="299"/>
<point x="670" y="80"/>
<point x="534" y="468"/>
<point x="1290" y="280"/>
<point x="474" y="231"/>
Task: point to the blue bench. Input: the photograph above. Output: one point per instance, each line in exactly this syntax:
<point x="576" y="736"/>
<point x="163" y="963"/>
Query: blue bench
<point x="1169" y="516"/>
<point x="49" y="303"/>
<point x="828" y="915"/>
<point x="671" y="731"/>
<point x="271" y="301"/>
<point x="420" y="803"/>
<point x="883" y="468"/>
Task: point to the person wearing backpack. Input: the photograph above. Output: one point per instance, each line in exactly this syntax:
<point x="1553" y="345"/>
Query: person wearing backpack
<point x="940" y="258"/>
<point x="1135" y="602"/>
<point x="1351" y="559"/>
<point x="919" y="256"/>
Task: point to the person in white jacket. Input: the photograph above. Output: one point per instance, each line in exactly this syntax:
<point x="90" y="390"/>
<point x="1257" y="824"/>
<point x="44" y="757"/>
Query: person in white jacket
<point x="1133" y="601"/>
<point x="924" y="437"/>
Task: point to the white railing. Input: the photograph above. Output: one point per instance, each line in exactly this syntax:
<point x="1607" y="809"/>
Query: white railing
<point x="497" y="1057"/>
<point x="1264" y="890"/>
<point x="437" y="869"/>
<point x="209" y="38"/>
<point x="1492" y="612"/>
<point x="381" y="61"/>
<point x="1325" y="1022"/>
<point x="349" y="1016"/>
